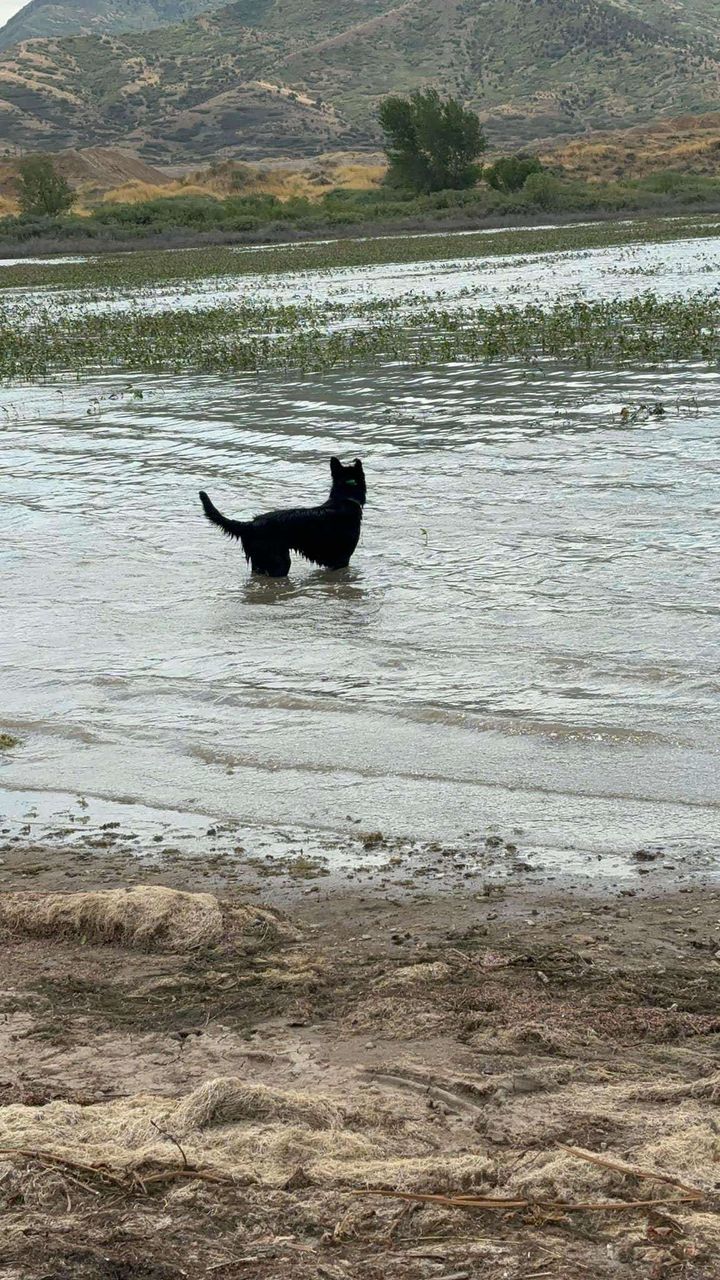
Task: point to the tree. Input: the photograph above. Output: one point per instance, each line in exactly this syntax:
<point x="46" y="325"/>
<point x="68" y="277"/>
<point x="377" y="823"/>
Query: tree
<point x="431" y="144"/>
<point x="510" y="173"/>
<point x="41" y="189"/>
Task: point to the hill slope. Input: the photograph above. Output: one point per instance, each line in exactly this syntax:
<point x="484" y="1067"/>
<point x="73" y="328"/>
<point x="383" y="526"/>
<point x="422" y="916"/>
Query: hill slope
<point x="531" y="67"/>
<point x="263" y="77"/>
<point x="686" y="144"/>
<point x="42" y="19"/>
<point x="91" y="172"/>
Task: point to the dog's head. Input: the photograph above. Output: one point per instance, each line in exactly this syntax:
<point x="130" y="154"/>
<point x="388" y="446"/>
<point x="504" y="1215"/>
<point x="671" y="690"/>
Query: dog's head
<point x="348" y="482"/>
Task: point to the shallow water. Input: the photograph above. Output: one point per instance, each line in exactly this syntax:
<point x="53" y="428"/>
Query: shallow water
<point x="527" y="637"/>
<point x="676" y="268"/>
<point x="670" y="269"/>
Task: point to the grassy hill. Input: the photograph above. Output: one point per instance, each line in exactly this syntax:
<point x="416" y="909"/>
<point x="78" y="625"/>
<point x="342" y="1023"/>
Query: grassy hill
<point x="682" y="145"/>
<point x="42" y="20"/>
<point x="293" y="77"/>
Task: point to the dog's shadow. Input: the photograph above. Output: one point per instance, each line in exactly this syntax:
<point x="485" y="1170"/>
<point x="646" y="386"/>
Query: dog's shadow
<point x="342" y="585"/>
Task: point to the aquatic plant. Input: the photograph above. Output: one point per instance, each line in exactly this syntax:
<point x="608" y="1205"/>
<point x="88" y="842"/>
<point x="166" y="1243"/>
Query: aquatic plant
<point x="139" y="269"/>
<point x="36" y="343"/>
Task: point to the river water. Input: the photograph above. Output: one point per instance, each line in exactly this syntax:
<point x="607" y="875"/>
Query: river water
<point x="526" y="639"/>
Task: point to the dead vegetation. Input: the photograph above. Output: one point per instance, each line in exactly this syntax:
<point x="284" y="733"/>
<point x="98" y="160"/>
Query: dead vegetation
<point x="91" y="171"/>
<point x="146" y="918"/>
<point x="684" y="144"/>
<point x="111" y="175"/>
<point x="446" y="1108"/>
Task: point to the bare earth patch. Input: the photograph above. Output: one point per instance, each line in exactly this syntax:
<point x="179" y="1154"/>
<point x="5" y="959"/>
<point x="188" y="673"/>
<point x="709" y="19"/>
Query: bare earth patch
<point x="191" y="1086"/>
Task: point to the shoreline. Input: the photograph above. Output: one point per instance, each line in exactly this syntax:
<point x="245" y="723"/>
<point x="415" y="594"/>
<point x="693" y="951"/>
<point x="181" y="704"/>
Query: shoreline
<point x="233" y="1105"/>
<point x="282" y="234"/>
<point x="56" y="841"/>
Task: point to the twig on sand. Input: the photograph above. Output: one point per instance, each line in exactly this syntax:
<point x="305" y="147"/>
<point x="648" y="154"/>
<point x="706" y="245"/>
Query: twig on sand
<point x="164" y="1134"/>
<point x="129" y="1180"/>
<point x="49" y="1159"/>
<point x="502" y="1204"/>
<point x="633" y="1170"/>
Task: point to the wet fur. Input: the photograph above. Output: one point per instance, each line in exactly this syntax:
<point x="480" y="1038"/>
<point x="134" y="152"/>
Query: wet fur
<point x="326" y="535"/>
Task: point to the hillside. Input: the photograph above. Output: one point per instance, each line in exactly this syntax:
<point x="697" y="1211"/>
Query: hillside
<point x="91" y="172"/>
<point x="40" y="19"/>
<point x="687" y="144"/>
<point x="280" y="77"/>
<point x="530" y="67"/>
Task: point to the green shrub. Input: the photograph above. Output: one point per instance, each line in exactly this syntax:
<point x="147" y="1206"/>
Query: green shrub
<point x="510" y="173"/>
<point x="544" y="190"/>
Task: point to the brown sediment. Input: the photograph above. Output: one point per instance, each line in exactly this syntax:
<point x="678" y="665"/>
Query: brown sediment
<point x="536" y="1075"/>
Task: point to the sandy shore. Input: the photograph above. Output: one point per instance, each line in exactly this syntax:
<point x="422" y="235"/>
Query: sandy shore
<point x="223" y="1101"/>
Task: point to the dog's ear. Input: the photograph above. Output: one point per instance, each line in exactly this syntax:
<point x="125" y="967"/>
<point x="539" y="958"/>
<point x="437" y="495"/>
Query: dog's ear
<point x="336" y="468"/>
<point x="358" y="464"/>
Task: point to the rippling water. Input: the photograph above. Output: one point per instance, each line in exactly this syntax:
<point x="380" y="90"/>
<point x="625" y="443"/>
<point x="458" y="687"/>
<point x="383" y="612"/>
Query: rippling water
<point x="527" y="635"/>
<point x="669" y="269"/>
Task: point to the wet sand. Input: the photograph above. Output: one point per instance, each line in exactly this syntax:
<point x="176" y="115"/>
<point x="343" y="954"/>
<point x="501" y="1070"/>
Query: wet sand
<point x="461" y="1036"/>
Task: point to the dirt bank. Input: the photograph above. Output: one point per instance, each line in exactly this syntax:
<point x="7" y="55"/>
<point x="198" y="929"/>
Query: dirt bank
<point x="201" y="1089"/>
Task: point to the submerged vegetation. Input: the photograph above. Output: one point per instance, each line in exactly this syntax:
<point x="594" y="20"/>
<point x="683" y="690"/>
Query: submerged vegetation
<point x="126" y="271"/>
<point x="129" y="313"/>
<point x="250" y="338"/>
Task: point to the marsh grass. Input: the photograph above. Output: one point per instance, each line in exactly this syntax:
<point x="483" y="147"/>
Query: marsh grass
<point x="136" y="270"/>
<point x="38" y="343"/>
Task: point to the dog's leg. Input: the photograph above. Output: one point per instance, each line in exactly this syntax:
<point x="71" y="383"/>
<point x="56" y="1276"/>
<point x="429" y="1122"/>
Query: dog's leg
<point x="271" y="563"/>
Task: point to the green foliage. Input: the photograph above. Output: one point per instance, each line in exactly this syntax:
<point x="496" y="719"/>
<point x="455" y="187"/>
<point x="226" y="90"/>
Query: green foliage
<point x="41" y="189"/>
<point x="431" y="144"/>
<point x="200" y="219"/>
<point x="182" y="211"/>
<point x="544" y="190"/>
<point x="509" y="173"/>
<point x="668" y="182"/>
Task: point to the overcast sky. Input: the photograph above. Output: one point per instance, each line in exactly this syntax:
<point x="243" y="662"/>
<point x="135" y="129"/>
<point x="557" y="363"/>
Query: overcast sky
<point x="8" y="8"/>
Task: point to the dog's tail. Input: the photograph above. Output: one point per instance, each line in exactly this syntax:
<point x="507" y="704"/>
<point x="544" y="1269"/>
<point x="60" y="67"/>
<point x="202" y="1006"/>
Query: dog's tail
<point x="233" y="528"/>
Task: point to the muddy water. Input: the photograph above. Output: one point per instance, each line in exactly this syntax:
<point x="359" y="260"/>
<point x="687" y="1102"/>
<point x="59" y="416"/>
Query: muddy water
<point x="527" y="637"/>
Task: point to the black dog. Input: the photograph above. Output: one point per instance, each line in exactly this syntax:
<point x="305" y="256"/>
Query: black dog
<point x="327" y="534"/>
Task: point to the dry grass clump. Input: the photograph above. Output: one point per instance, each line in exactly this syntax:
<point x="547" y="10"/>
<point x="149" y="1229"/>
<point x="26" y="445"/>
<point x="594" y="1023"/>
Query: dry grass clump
<point x="249" y="1133"/>
<point x="227" y="1100"/>
<point x="548" y="1039"/>
<point x="556" y="1175"/>
<point x="144" y="918"/>
<point x="231" y="178"/>
<point x="410" y="974"/>
<point x="692" y="1152"/>
<point x="446" y="1173"/>
<point x="707" y="1089"/>
<point x="680" y="1162"/>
